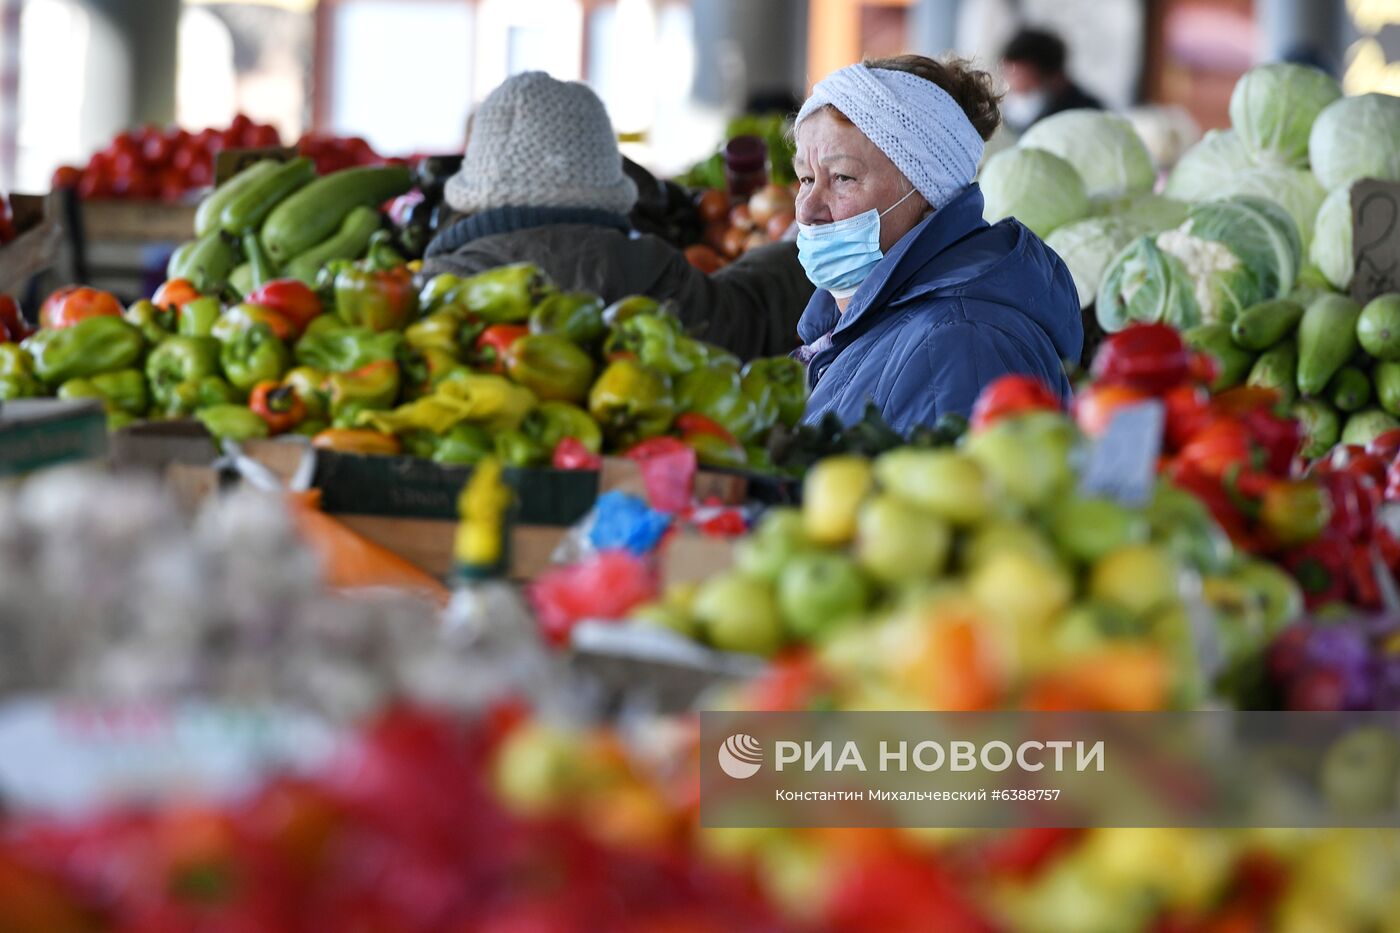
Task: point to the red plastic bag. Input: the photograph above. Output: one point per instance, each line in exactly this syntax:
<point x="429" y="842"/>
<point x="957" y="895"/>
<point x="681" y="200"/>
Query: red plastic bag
<point x="606" y="585"/>
<point x="668" y="470"/>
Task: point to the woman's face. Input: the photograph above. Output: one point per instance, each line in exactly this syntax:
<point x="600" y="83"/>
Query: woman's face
<point x="842" y="174"/>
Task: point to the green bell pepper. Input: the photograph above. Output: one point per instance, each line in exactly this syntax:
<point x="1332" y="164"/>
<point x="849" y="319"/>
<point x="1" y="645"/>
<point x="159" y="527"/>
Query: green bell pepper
<point x="785" y="380"/>
<point x="376" y="292"/>
<point x="335" y="348"/>
<point x="504" y="295"/>
<point x="253" y="356"/>
<point x="122" y="391"/>
<point x="652" y="339"/>
<point x="628" y="307"/>
<point x="551" y="422"/>
<point x="193" y="395"/>
<point x="419" y="443"/>
<point x="451" y="329"/>
<point x="197" y="318"/>
<point x="518" y="449"/>
<point x="464" y="445"/>
<point x="439" y="292"/>
<point x="551" y="366"/>
<point x="310" y="427"/>
<point x="371" y="387"/>
<point x="718" y="394"/>
<point x="422" y="370"/>
<point x="575" y="316"/>
<point x="631" y="402"/>
<point x="92" y="346"/>
<point x="180" y="360"/>
<point x="244" y="316"/>
<point x="155" y="324"/>
<point x="15" y="360"/>
<point x="699" y="355"/>
<point x="232" y="422"/>
<point x="310" y="386"/>
<point x="20" y="385"/>
<point x="716" y="451"/>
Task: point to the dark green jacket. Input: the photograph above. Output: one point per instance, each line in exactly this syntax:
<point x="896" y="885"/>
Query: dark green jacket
<point x="750" y="308"/>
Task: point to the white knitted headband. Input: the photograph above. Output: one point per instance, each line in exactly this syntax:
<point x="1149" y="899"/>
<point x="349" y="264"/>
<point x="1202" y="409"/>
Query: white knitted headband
<point x="913" y="121"/>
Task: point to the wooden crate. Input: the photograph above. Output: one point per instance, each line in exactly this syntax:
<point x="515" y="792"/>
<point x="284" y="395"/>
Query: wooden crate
<point x="151" y="221"/>
<point x="36" y="247"/>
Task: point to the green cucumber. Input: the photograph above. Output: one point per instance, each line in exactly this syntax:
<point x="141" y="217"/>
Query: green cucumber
<point x="1261" y="326"/>
<point x="1386" y="377"/>
<point x="241" y="279"/>
<point x="315" y="212"/>
<point x="251" y="206"/>
<point x="1364" y="426"/>
<point x="349" y="242"/>
<point x="262" y="271"/>
<point x="1215" y="339"/>
<point x="211" y="210"/>
<point x="1350" y="389"/>
<point x="206" y="263"/>
<point x="1277" y="369"/>
<point x="1326" y="341"/>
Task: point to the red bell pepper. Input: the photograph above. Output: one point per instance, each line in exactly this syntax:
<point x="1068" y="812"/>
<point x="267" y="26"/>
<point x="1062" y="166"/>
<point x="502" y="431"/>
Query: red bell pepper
<point x="1223" y="444"/>
<point x="695" y="423"/>
<point x="1322" y="568"/>
<point x="13" y="327"/>
<point x="1188" y="413"/>
<point x="68" y="306"/>
<point x="1355" y="500"/>
<point x="1212" y="493"/>
<point x="1204" y="368"/>
<point x="1149" y="357"/>
<point x="493" y="346"/>
<point x="1279" y="438"/>
<point x="1011" y="395"/>
<point x="278" y="405"/>
<point x="1365" y="589"/>
<point x="1385" y="445"/>
<point x="291" y="299"/>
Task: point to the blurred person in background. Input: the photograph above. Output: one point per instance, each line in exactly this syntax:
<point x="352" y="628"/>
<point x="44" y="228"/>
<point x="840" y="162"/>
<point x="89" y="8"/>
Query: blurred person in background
<point x="1038" y="85"/>
<point x="543" y="182"/>
<point x="921" y="303"/>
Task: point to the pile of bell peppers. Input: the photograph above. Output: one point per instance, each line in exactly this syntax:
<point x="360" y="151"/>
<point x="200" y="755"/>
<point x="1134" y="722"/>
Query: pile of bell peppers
<point x="453" y="369"/>
<point x="1240" y="455"/>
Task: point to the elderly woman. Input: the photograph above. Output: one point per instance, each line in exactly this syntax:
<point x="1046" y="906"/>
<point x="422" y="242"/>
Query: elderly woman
<point x="543" y="182"/>
<point x="920" y="302"/>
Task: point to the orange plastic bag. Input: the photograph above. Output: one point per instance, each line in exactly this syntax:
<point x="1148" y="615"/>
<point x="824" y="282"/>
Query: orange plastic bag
<point x="351" y="560"/>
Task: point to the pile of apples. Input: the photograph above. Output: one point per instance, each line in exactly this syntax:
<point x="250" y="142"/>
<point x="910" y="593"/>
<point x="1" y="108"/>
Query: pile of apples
<point x="732" y="229"/>
<point x="976" y="577"/>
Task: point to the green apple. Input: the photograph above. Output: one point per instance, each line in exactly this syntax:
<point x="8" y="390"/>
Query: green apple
<point x="1027" y="456"/>
<point x="897" y="542"/>
<point x="1022" y="589"/>
<point x="778" y="538"/>
<point x="1278" y="593"/>
<point x="1139" y="578"/>
<point x="1359" y="772"/>
<point x="738" y="613"/>
<point x="665" y="615"/>
<point x="831" y="498"/>
<point x="1004" y="535"/>
<point x="1089" y="625"/>
<point x="537" y="768"/>
<point x="818" y="593"/>
<point x="946" y="483"/>
<point x="1087" y="529"/>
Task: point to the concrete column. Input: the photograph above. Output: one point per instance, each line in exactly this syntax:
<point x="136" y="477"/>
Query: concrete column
<point x="150" y="31"/>
<point x="1302" y="30"/>
<point x="933" y="26"/>
<point x="750" y="51"/>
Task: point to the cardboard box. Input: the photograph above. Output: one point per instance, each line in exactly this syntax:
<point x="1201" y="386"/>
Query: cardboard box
<point x="43" y="432"/>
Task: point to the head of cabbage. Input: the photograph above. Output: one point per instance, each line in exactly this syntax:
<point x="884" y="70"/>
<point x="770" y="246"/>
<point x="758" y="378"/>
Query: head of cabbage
<point x="1228" y="255"/>
<point x="1218" y="157"/>
<point x="1331" y="249"/>
<point x="1273" y="108"/>
<point x="1039" y="189"/>
<point x="1102" y="147"/>
<point x="1088" y="246"/>
<point x="1356" y="137"/>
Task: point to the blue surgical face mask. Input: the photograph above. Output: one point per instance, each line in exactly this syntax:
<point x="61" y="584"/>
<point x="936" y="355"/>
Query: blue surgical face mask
<point x="840" y="255"/>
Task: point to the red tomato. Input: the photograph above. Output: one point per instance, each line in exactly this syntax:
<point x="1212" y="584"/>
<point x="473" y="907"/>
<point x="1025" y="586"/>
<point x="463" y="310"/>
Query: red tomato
<point x="1011" y="395"/>
<point x="125" y="164"/>
<point x="68" y="306"/>
<point x="156" y="149"/>
<point x="200" y="174"/>
<point x="1094" y="407"/>
<point x="66" y="176"/>
<point x="266" y="136"/>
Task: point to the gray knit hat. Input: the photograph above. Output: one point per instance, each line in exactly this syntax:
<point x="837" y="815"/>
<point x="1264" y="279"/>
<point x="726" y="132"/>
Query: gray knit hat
<point x="538" y="142"/>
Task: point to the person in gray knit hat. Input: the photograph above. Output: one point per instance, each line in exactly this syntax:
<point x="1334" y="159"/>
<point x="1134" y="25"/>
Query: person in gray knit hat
<point x="542" y="181"/>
